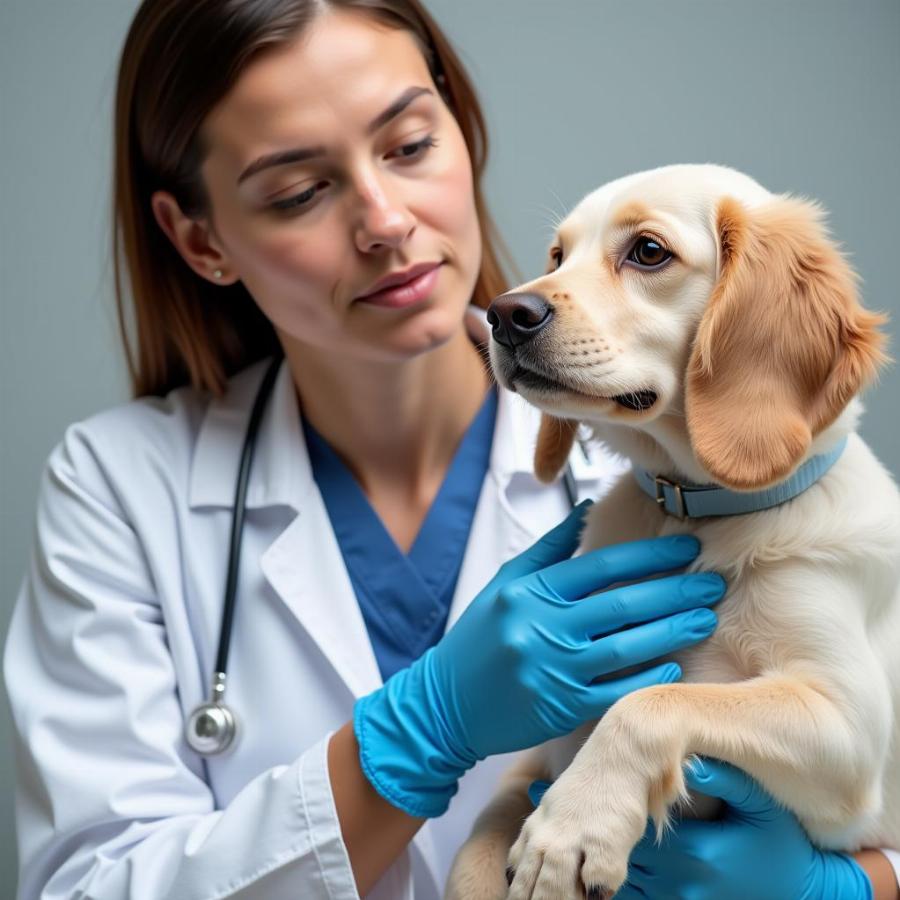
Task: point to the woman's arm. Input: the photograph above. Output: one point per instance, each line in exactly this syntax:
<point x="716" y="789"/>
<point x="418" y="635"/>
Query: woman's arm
<point x="374" y="831"/>
<point x="111" y="803"/>
<point x="881" y="873"/>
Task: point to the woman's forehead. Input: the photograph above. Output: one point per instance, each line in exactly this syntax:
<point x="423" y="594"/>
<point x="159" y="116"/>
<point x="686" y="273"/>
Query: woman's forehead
<point x="342" y="71"/>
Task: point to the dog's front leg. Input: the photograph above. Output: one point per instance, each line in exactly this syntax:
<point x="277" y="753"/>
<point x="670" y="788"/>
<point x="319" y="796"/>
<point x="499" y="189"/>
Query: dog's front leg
<point x="790" y="736"/>
<point x="479" y="868"/>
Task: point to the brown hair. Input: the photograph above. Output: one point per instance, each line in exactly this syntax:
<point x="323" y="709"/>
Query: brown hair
<point x="179" y="59"/>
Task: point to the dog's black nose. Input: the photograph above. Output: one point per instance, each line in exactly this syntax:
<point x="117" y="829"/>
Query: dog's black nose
<point x="517" y="318"/>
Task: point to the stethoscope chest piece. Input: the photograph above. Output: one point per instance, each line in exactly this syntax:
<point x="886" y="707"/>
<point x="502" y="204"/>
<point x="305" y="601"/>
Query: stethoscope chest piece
<point x="212" y="727"/>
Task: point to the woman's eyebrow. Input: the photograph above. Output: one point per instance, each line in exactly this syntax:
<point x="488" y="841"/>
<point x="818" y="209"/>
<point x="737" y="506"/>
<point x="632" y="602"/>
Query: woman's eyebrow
<point x="299" y="154"/>
<point x="396" y="108"/>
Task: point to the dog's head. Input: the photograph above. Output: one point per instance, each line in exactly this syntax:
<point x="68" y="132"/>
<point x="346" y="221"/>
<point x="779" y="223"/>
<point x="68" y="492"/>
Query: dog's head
<point x="691" y="306"/>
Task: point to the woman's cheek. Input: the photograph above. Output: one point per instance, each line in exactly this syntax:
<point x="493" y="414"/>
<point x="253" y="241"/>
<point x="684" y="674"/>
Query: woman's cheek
<point x="293" y="279"/>
<point x="301" y="258"/>
<point x="457" y="211"/>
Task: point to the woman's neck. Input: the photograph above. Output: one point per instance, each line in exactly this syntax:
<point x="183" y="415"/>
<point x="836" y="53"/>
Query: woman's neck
<point x="395" y="425"/>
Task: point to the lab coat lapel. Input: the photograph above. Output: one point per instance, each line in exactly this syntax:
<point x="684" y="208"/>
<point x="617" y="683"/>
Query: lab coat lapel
<point x="514" y="509"/>
<point x="305" y="568"/>
<point x="499" y="531"/>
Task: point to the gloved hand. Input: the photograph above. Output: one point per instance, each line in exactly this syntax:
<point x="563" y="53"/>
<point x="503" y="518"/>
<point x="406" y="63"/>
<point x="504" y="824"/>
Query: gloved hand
<point x="757" y="850"/>
<point x="516" y="669"/>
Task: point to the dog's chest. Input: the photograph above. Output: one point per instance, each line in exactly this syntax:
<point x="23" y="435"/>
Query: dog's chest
<point x="759" y="616"/>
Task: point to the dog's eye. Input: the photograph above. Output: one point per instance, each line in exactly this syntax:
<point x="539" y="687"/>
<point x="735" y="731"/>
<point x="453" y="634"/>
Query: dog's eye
<point x="648" y="253"/>
<point x="556" y="256"/>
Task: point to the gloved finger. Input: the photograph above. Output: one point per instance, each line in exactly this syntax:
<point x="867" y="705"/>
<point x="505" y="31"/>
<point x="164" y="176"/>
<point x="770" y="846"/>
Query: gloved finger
<point x="684" y="847"/>
<point x="630" y="891"/>
<point x="678" y="866"/>
<point x="573" y="579"/>
<point x="719" y="779"/>
<point x="643" y="602"/>
<point x="646" y="642"/>
<point x="536" y="790"/>
<point x="556" y="545"/>
<point x="650" y="856"/>
<point x="647" y="841"/>
<point x="597" y="698"/>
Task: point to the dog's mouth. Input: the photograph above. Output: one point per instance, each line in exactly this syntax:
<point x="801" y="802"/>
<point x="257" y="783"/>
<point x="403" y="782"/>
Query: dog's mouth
<point x="636" y="401"/>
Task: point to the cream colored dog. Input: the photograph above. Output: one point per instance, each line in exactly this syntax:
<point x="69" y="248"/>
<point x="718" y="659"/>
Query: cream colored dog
<point x="710" y="331"/>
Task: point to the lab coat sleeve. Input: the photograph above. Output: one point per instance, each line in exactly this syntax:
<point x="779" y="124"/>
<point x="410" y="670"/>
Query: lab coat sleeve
<point x="111" y="802"/>
<point x="894" y="859"/>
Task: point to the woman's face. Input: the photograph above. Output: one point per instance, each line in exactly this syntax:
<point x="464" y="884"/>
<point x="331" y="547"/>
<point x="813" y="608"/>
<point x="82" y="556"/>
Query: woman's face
<point x="367" y="197"/>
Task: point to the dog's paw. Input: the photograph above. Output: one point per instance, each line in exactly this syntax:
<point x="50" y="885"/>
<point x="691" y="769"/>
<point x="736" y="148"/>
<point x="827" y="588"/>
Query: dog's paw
<point x="572" y="848"/>
<point x="479" y="870"/>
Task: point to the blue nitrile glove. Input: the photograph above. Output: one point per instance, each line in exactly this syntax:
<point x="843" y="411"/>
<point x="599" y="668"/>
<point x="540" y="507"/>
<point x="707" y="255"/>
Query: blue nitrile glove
<point x="516" y="668"/>
<point x="757" y="850"/>
<point x="536" y="791"/>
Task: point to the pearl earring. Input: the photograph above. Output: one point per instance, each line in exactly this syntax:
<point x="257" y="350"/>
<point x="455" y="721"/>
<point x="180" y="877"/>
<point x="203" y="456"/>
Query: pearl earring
<point x="218" y="273"/>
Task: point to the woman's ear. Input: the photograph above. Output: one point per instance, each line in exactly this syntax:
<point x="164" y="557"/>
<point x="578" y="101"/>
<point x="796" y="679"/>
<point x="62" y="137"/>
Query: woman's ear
<point x="554" y="443"/>
<point x="782" y="347"/>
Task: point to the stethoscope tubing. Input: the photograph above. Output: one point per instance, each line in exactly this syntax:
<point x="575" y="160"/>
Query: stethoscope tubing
<point x="237" y="521"/>
<point x="212" y="727"/>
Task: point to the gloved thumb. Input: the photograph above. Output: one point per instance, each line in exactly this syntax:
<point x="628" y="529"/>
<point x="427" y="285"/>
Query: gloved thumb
<point x="536" y="790"/>
<point x="556" y="545"/>
<point x="719" y="779"/>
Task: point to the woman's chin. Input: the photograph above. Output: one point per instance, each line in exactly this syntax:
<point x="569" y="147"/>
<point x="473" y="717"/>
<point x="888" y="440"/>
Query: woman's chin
<point x="430" y="329"/>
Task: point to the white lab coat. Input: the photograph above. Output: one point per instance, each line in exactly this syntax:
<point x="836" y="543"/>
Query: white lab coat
<point x="114" y="634"/>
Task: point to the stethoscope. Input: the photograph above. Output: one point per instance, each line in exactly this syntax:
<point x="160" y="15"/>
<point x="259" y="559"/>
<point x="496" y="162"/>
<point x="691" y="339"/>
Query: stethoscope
<point x="212" y="727"/>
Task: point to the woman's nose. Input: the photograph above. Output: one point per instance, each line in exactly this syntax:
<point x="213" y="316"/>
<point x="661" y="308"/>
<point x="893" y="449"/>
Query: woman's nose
<point x="384" y="217"/>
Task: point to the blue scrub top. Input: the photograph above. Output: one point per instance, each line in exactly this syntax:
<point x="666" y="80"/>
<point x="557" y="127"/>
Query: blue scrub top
<point x="405" y="599"/>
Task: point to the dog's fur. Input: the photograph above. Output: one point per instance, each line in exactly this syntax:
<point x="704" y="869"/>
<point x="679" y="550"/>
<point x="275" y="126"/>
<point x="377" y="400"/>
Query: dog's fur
<point x="753" y="337"/>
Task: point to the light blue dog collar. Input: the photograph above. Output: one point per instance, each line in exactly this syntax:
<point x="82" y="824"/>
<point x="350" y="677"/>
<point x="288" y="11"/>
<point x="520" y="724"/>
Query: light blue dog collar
<point x="692" y="501"/>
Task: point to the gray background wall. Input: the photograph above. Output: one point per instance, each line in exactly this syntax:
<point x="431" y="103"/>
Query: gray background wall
<point x="802" y="94"/>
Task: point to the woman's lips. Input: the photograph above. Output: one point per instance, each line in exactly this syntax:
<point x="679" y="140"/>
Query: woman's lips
<point x="413" y="291"/>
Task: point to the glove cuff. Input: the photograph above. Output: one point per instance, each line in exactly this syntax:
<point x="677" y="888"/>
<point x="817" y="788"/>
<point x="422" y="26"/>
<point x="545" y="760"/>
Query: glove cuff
<point x="405" y="750"/>
<point x="843" y="877"/>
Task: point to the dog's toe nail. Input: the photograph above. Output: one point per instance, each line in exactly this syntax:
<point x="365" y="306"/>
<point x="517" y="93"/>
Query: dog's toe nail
<point x="510" y="874"/>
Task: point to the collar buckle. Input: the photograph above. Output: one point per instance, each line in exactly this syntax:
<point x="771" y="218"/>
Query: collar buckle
<point x="680" y="512"/>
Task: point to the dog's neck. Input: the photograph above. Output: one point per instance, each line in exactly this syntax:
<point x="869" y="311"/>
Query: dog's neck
<point x="663" y="447"/>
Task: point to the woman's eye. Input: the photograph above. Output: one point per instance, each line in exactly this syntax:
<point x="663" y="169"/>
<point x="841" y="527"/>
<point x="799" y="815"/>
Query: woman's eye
<point x="299" y="199"/>
<point x="409" y="151"/>
<point x="648" y="253"/>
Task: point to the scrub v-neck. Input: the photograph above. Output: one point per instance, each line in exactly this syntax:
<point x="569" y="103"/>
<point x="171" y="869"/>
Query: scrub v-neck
<point x="405" y="598"/>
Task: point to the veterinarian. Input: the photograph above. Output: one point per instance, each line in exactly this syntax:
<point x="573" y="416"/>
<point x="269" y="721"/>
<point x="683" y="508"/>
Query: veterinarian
<point x="394" y="625"/>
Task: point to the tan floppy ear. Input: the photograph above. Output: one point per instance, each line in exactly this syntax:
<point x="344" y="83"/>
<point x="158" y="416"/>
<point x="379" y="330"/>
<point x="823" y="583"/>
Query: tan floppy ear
<point x="782" y="347"/>
<point x="554" y="443"/>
